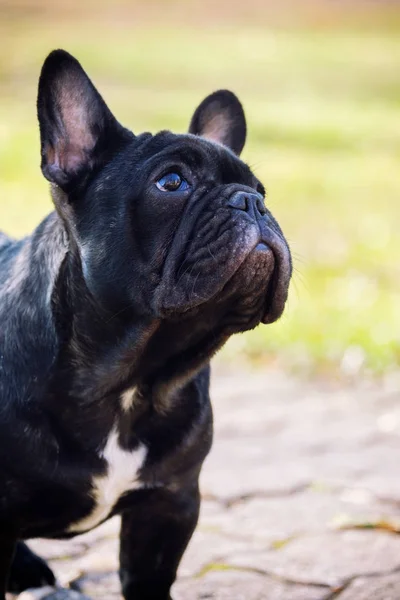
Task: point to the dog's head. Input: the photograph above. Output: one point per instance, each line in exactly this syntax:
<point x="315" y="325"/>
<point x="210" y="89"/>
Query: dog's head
<point x="165" y="225"/>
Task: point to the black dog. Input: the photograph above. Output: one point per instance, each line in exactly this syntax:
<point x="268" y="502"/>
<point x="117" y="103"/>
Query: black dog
<point x="159" y="249"/>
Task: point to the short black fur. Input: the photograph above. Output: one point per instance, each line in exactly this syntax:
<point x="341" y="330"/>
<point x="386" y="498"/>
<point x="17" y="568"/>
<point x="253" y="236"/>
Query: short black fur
<point x="109" y="314"/>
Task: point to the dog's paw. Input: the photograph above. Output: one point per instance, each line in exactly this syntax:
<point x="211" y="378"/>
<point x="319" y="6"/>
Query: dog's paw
<point x="28" y="571"/>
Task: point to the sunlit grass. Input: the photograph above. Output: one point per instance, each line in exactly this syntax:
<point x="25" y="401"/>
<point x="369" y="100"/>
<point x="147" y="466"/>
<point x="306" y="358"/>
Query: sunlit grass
<point x="323" y="111"/>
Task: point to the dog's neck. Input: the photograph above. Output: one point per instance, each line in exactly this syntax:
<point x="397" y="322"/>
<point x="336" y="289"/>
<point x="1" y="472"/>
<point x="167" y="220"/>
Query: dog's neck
<point x="94" y="352"/>
<point x="105" y="352"/>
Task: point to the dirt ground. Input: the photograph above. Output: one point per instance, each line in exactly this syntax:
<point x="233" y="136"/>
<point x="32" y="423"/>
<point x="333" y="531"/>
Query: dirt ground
<point x="301" y="500"/>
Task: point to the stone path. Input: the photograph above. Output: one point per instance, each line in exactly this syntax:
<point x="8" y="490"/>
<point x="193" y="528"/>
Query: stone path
<point x="301" y="500"/>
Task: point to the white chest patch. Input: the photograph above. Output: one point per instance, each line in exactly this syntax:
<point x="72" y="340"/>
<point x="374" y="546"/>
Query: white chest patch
<point x="122" y="475"/>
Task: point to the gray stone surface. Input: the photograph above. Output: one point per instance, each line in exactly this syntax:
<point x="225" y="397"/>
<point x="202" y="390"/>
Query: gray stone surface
<point x="385" y="587"/>
<point x="330" y="559"/>
<point x="240" y="585"/>
<point x="49" y="593"/>
<point x="301" y="500"/>
<point x="266" y="521"/>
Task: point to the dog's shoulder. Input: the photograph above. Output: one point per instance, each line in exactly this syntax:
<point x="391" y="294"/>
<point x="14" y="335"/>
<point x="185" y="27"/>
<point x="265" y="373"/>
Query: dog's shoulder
<point x="31" y="261"/>
<point x="8" y="250"/>
<point x="28" y="340"/>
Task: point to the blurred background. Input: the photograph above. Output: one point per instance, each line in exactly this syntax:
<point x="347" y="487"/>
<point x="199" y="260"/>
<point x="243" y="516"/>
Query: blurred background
<point x="320" y="84"/>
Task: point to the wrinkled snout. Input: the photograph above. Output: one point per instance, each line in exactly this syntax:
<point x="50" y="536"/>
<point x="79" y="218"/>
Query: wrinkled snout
<point x="270" y="257"/>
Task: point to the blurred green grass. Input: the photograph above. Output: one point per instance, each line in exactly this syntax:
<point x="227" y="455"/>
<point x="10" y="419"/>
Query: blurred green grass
<point x="323" y="110"/>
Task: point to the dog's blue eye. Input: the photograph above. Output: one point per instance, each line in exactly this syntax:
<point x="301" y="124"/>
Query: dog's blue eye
<point x="172" y="182"/>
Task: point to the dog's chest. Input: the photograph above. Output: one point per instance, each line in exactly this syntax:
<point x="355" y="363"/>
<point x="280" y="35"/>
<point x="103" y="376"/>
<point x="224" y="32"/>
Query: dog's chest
<point x="122" y="475"/>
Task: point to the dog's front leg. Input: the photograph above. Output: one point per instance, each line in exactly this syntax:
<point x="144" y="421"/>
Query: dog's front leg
<point x="7" y="548"/>
<point x="154" y="534"/>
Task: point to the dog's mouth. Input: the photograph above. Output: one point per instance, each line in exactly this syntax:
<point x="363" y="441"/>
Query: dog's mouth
<point x="261" y="285"/>
<point x="277" y="286"/>
<point x="253" y="288"/>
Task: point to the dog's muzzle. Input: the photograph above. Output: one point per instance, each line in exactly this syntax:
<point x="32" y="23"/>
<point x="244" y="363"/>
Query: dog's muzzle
<point x="270" y="251"/>
<point x="233" y="250"/>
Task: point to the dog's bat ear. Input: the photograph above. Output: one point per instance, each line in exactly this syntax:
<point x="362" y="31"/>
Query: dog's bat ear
<point x="220" y="118"/>
<point x="77" y="130"/>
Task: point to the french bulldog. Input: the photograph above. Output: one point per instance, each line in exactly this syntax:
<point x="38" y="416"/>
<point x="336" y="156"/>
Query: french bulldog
<point x="159" y="249"/>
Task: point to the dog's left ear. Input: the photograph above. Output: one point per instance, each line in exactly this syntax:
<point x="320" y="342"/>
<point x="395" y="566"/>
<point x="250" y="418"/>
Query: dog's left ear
<point x="220" y="118"/>
<point x="77" y="130"/>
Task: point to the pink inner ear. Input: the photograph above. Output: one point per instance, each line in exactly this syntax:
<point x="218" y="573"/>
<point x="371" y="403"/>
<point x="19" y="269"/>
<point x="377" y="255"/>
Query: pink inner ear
<point x="68" y="157"/>
<point x="217" y="128"/>
<point x="72" y="158"/>
<point x="71" y="151"/>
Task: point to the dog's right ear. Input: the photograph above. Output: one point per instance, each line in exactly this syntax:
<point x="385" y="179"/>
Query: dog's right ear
<point x="77" y="130"/>
<point x="220" y="118"/>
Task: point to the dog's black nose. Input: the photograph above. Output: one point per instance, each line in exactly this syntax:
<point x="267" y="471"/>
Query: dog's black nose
<point x="249" y="202"/>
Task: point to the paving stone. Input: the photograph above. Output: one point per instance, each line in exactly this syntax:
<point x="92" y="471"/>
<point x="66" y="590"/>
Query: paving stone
<point x="244" y="466"/>
<point x="236" y="585"/>
<point x="385" y="483"/>
<point x="386" y="587"/>
<point x="99" y="585"/>
<point x="93" y="551"/>
<point x="305" y="417"/>
<point x="59" y="549"/>
<point x="49" y="593"/>
<point x="329" y="559"/>
<point x="101" y="556"/>
<point x="207" y="547"/>
<point x="309" y="512"/>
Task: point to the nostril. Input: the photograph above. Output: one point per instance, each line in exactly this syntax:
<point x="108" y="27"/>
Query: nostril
<point x="248" y="202"/>
<point x="239" y="201"/>
<point x="260" y="206"/>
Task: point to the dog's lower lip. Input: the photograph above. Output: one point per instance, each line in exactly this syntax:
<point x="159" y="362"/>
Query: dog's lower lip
<point x="276" y="297"/>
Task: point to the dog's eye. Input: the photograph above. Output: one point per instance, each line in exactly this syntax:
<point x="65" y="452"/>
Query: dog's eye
<point x="172" y="182"/>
